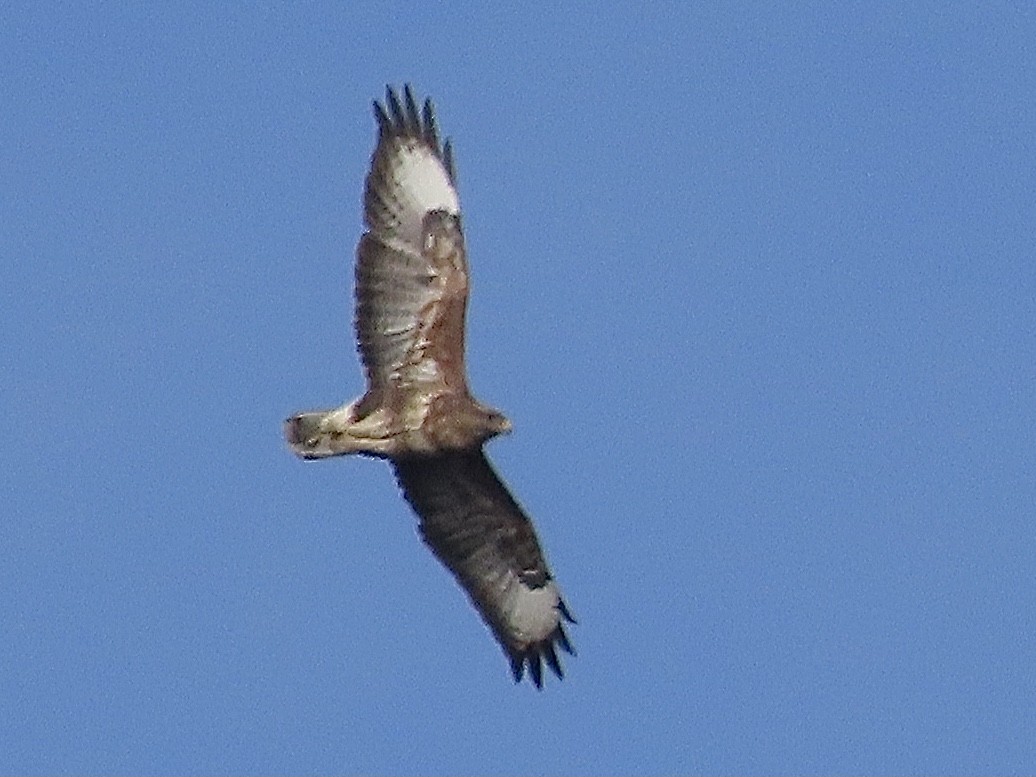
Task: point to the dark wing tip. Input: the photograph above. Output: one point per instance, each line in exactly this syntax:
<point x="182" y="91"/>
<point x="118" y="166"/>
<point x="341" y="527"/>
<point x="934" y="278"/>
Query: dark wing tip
<point x="384" y="123"/>
<point x="431" y="131"/>
<point x="562" y="639"/>
<point x="408" y="118"/>
<point x="395" y="108"/>
<point x="552" y="659"/>
<point x="563" y="609"/>
<point x="534" y="656"/>
<point x="447" y="159"/>
<point x="413" y="118"/>
<point x="536" y="670"/>
<point x="517" y="666"/>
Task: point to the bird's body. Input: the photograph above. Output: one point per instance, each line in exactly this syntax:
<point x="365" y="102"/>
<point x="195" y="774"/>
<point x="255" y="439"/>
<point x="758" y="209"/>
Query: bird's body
<point x="417" y="411"/>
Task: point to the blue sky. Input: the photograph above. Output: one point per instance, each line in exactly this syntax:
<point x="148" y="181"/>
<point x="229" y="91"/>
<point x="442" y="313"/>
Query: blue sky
<point x="755" y="284"/>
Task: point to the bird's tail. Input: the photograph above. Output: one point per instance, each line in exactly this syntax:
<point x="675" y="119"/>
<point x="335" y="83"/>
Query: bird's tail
<point x="305" y="436"/>
<point x="319" y="434"/>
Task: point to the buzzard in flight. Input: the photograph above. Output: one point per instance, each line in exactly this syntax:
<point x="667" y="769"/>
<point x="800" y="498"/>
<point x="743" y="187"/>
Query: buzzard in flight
<point x="417" y="412"/>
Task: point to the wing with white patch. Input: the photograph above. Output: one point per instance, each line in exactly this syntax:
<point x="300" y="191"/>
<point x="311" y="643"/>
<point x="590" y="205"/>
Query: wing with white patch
<point x="410" y="302"/>
<point x="475" y="527"/>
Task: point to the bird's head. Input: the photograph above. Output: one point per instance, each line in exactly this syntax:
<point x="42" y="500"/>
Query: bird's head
<point x="500" y="423"/>
<point x="495" y="423"/>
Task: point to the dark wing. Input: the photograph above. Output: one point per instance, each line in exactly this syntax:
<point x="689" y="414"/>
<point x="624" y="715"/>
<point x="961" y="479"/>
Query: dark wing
<point x="475" y="527"/>
<point x="409" y="303"/>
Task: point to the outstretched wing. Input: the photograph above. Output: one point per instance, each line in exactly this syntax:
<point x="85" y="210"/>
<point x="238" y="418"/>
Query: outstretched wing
<point x="410" y="301"/>
<point x="475" y="527"/>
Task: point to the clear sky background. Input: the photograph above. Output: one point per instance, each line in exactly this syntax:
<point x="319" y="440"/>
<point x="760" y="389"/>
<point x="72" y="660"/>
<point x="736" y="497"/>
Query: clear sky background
<point x="755" y="284"/>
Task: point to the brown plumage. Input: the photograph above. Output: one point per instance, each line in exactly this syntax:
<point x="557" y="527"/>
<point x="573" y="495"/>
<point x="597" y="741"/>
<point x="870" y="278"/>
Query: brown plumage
<point x="417" y="411"/>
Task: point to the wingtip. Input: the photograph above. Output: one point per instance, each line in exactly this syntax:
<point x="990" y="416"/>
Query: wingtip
<point x="401" y="114"/>
<point x="562" y="639"/>
<point x="447" y="155"/>
<point x="379" y="115"/>
<point x="563" y="609"/>
<point x="536" y="670"/>
<point x="517" y="668"/>
<point x="552" y="660"/>
<point x="394" y="106"/>
<point x="533" y="657"/>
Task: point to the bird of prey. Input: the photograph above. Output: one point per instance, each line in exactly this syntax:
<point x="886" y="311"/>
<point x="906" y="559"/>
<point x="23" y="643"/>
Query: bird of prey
<point x="418" y="412"/>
